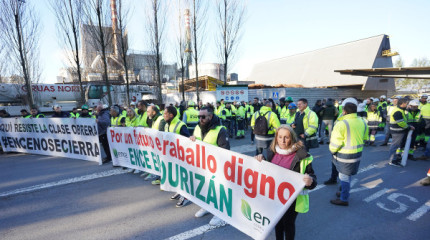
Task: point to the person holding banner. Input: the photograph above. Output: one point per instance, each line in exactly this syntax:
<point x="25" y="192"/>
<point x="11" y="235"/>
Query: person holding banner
<point x="131" y="120"/>
<point x="25" y="114"/>
<point x="103" y="122"/>
<point x="141" y="113"/>
<point x="210" y="130"/>
<point x="287" y="151"/>
<point x="58" y="113"/>
<point x="35" y="113"/>
<point x="116" y="119"/>
<point x="174" y="125"/>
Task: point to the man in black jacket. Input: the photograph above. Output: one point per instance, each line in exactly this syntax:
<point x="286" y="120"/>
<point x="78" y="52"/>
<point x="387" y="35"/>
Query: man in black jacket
<point x="59" y="113"/>
<point x="208" y="122"/>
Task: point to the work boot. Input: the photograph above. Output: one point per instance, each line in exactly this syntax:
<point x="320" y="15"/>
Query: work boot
<point x="339" y="202"/>
<point x="396" y="163"/>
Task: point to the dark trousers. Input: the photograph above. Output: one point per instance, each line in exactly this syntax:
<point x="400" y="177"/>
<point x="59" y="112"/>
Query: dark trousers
<point x="104" y="142"/>
<point x="387" y="134"/>
<point x="286" y="227"/>
<point x="399" y="140"/>
<point x="334" y="172"/>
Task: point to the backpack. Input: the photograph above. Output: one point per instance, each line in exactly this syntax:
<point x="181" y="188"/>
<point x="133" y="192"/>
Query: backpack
<point x="261" y="126"/>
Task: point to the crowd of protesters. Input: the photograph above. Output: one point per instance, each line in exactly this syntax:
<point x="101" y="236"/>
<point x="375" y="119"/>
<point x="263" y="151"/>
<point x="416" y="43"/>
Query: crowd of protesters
<point x="283" y="132"/>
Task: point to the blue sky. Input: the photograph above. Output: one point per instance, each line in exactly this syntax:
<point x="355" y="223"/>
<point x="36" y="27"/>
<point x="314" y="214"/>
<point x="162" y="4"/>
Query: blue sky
<point x="279" y="28"/>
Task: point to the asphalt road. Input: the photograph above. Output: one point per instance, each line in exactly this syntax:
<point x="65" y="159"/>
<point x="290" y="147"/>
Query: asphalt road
<point x="58" y="198"/>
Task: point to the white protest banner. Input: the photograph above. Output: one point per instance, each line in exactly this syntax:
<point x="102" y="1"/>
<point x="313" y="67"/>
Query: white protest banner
<point x="63" y="137"/>
<point x="251" y="196"/>
<point x="134" y="147"/>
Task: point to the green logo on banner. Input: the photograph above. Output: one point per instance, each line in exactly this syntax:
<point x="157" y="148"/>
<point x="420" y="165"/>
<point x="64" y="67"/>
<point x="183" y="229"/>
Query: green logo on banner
<point x="115" y="152"/>
<point x="246" y="210"/>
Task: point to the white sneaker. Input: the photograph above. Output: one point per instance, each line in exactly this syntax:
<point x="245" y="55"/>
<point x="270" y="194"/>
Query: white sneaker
<point x="201" y="213"/>
<point x="136" y="171"/>
<point x="217" y="222"/>
<point x="130" y="170"/>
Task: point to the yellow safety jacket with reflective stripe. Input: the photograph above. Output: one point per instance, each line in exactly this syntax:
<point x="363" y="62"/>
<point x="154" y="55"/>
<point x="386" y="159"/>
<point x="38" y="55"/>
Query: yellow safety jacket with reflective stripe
<point x="347" y="138"/>
<point x="37" y="116"/>
<point x="241" y="112"/>
<point x="74" y="115"/>
<point x="174" y="126"/>
<point x="156" y="124"/>
<point x="425" y="111"/>
<point x="116" y="121"/>
<point x="310" y="122"/>
<point x="302" y="200"/>
<point x="192" y="117"/>
<point x="142" y="119"/>
<point x="134" y="122"/>
<point x="271" y="117"/>
<point x="398" y="125"/>
<point x="211" y="137"/>
<point x="413" y="117"/>
<point x="249" y="110"/>
<point x="284" y="113"/>
<point x="373" y="119"/>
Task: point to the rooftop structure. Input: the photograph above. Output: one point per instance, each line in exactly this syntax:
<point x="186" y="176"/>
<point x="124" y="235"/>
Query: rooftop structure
<point x="317" y="68"/>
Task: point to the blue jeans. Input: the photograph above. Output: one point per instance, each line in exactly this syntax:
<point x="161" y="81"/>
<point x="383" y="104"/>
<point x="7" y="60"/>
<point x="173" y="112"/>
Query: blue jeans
<point x="345" y="182"/>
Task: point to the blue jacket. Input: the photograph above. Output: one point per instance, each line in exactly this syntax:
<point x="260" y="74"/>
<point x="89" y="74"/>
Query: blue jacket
<point x="103" y="121"/>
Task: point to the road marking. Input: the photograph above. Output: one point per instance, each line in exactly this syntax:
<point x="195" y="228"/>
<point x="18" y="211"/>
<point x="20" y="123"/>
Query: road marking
<point x="243" y="148"/>
<point x="420" y="211"/>
<point x="206" y="228"/>
<point x="64" y="182"/>
<point x="377" y="194"/>
<point x="195" y="232"/>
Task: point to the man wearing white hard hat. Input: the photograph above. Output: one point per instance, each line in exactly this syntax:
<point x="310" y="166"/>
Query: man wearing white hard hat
<point x="382" y="108"/>
<point x="387" y="126"/>
<point x="414" y="119"/>
<point x="334" y="172"/>
<point x="346" y="145"/>
<point x="399" y="128"/>
<point x="425" y="113"/>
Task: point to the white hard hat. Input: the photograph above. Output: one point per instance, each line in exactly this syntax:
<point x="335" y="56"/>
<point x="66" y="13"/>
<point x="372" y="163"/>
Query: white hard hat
<point x="390" y="99"/>
<point x="361" y="107"/>
<point x="375" y="100"/>
<point x="133" y="103"/>
<point x="424" y="96"/>
<point x="414" y="103"/>
<point x="349" y="100"/>
<point x="383" y="96"/>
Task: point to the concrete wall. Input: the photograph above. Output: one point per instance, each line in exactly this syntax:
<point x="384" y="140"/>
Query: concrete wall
<point x="311" y="94"/>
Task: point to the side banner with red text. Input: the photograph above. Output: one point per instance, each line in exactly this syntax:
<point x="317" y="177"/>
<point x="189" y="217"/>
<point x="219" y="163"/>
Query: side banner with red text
<point x="251" y="196"/>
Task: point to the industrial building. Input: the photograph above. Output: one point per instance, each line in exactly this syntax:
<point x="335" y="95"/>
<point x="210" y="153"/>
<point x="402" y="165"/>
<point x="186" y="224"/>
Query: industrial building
<point x="316" y="69"/>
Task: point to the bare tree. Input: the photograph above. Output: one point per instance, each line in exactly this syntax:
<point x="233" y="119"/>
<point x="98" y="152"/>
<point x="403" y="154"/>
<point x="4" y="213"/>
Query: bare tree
<point x="180" y="42"/>
<point x="230" y="18"/>
<point x="19" y="29"/>
<point x="413" y="83"/>
<point x="69" y="17"/>
<point x="156" y="19"/>
<point x="123" y="18"/>
<point x="198" y="28"/>
<point x="96" y="14"/>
